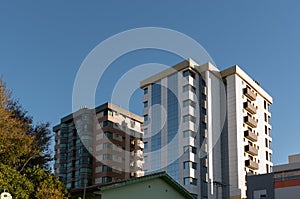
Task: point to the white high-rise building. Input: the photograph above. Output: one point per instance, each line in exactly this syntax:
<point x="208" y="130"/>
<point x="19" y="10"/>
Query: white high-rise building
<point x="207" y="128"/>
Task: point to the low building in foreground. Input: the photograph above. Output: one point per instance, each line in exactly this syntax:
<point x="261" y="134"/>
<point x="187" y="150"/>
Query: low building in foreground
<point x="283" y="183"/>
<point x="157" y="185"/>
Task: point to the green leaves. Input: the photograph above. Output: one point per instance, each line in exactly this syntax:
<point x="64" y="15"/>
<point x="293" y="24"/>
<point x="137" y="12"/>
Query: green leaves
<point x="24" y="154"/>
<point x="15" y="183"/>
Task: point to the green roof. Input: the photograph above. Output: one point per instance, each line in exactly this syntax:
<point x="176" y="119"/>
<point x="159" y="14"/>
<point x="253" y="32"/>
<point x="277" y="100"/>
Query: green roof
<point x="162" y="175"/>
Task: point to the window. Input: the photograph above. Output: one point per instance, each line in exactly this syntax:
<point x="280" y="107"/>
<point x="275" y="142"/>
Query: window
<point x="189" y="103"/>
<point x="188" y="118"/>
<point x="204" y="126"/>
<point x="186" y="134"/>
<point x="145" y="91"/>
<point x="145" y="132"/>
<point x="266" y="142"/>
<point x="145" y="104"/>
<point x="106" y="168"/>
<point x="189" y="88"/>
<point x="145" y="118"/>
<point x="107" y="156"/>
<point x="203" y="111"/>
<point x="107" y="145"/>
<point x="108" y="134"/>
<point x="190" y="181"/>
<point x="267" y="155"/>
<point x="188" y="149"/>
<point x="266" y="118"/>
<point x="185" y="73"/>
<point x="108" y="112"/>
<point x="108" y="123"/>
<point x="189" y="164"/>
<point x="186" y="165"/>
<point x="132" y="123"/>
<point x="106" y="179"/>
<point x="145" y="145"/>
<point x="188" y="73"/>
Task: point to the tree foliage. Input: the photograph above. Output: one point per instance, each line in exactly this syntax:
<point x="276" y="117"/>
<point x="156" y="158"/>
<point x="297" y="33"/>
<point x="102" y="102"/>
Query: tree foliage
<point x="47" y="186"/>
<point x="15" y="143"/>
<point x="40" y="148"/>
<point x="15" y="183"/>
<point x="25" y="154"/>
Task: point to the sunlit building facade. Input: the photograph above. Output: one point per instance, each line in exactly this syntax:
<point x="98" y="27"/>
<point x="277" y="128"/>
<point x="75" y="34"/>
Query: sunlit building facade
<point x="207" y="128"/>
<point x="101" y="145"/>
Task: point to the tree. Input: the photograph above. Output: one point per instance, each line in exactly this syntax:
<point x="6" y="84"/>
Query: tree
<point x="40" y="149"/>
<point x="15" y="183"/>
<point x="25" y="154"/>
<point x="15" y="143"/>
<point x="47" y="186"/>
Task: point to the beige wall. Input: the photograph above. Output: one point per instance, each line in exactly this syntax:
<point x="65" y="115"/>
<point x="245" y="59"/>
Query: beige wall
<point x="150" y="189"/>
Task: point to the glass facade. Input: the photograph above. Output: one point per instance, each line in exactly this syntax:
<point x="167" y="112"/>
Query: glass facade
<point x="156" y="126"/>
<point x="172" y="126"/>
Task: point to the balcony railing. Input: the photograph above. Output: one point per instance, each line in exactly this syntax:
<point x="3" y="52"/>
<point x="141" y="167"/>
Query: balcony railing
<point x="251" y="164"/>
<point x="251" y="150"/>
<point x="250" y="121"/>
<point x="250" y="107"/>
<point x="140" y="144"/>
<point x="250" y="94"/>
<point x="250" y="135"/>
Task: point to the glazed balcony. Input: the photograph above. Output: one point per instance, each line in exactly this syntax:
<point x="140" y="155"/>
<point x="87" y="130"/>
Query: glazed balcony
<point x="250" y="94"/>
<point x="250" y="135"/>
<point x="250" y="107"/>
<point x="251" y="164"/>
<point x="251" y="150"/>
<point x="250" y="121"/>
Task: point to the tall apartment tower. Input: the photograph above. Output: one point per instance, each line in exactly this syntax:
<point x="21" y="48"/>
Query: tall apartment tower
<point x="248" y="129"/>
<point x="207" y="128"/>
<point x="101" y="145"/>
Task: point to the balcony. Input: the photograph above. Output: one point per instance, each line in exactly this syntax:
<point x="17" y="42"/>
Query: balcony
<point x="250" y="107"/>
<point x="139" y="173"/>
<point x="249" y="93"/>
<point x="56" y="147"/>
<point x="250" y="135"/>
<point x="251" y="164"/>
<point x="140" y="144"/>
<point x="56" y="165"/>
<point x="56" y="156"/>
<point x="57" y="138"/>
<point x="251" y="150"/>
<point x="250" y="121"/>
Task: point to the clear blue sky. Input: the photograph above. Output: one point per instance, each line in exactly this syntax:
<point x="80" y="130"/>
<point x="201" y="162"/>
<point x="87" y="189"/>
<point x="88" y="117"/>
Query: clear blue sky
<point x="43" y="43"/>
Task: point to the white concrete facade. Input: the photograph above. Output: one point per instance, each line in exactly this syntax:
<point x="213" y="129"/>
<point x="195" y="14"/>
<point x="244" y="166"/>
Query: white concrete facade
<point x="239" y="142"/>
<point x="217" y="127"/>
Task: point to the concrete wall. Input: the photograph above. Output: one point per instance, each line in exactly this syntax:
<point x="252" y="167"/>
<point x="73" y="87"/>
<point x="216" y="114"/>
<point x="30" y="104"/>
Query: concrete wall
<point x="287" y="192"/>
<point x="261" y="185"/>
